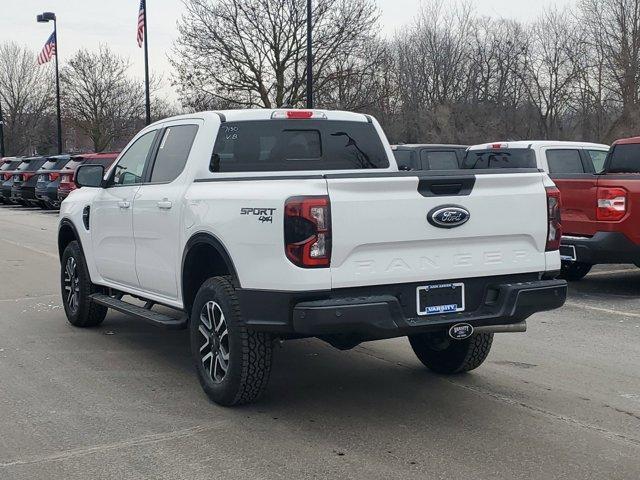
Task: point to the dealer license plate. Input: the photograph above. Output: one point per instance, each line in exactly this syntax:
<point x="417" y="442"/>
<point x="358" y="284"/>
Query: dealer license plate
<point x="439" y="299"/>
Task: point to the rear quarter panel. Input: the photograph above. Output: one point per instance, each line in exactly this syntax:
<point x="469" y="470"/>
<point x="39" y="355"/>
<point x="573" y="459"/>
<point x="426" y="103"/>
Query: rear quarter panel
<point x="256" y="246"/>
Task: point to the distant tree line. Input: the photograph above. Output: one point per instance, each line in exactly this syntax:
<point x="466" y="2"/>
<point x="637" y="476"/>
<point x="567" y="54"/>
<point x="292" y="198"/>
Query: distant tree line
<point x="450" y="75"/>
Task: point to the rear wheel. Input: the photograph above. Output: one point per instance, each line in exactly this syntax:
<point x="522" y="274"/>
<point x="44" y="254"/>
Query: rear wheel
<point x="574" y="271"/>
<point x="233" y="363"/>
<point x="445" y="355"/>
<point x="76" y="288"/>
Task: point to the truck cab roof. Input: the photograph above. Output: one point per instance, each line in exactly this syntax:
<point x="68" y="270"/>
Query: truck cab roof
<point x="269" y="113"/>
<point x="540" y="144"/>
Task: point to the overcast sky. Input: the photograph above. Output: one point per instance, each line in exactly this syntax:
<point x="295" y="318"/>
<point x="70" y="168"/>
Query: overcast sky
<point x="87" y="23"/>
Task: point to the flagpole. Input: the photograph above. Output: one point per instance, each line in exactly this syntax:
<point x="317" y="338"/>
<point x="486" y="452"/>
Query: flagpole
<point x="146" y="68"/>
<point x="59" y="115"/>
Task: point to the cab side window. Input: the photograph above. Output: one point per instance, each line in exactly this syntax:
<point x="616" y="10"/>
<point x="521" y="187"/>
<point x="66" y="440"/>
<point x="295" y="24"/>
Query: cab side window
<point x="173" y="152"/>
<point x="598" y="158"/>
<point x="564" y="161"/>
<point x="129" y="169"/>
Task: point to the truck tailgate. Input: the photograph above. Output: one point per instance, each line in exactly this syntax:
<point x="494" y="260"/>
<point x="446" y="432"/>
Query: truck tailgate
<point x="381" y="234"/>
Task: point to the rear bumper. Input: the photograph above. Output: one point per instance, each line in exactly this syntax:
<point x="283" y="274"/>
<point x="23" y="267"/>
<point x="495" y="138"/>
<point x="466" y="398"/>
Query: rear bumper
<point x="5" y="194"/>
<point x="389" y="311"/>
<point x="603" y="247"/>
<point x="22" y="193"/>
<point x="48" y="194"/>
<point x="62" y="194"/>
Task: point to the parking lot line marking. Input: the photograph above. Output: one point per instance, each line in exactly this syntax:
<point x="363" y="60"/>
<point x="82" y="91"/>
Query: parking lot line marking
<point x="515" y="402"/>
<point x="132" y="442"/>
<point x="603" y="310"/>
<point x="26" y="247"/>
<point x="609" y="272"/>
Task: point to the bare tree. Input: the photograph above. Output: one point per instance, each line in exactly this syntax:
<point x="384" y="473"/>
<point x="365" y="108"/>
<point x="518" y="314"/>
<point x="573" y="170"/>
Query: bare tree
<point x="252" y="53"/>
<point x="26" y="93"/>
<point x="100" y="99"/>
<point x="550" y="70"/>
<point x="614" y="27"/>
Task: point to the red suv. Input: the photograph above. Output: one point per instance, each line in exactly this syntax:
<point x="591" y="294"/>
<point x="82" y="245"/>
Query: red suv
<point x="601" y="212"/>
<point x="67" y="184"/>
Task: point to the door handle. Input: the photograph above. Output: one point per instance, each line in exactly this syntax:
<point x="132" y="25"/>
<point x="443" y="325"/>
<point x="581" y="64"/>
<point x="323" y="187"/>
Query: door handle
<point x="124" y="204"/>
<point x="165" y="204"/>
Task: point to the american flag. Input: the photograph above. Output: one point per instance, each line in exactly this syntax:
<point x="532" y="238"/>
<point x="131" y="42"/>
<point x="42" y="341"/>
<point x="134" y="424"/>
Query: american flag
<point x="141" y="15"/>
<point x="48" y="51"/>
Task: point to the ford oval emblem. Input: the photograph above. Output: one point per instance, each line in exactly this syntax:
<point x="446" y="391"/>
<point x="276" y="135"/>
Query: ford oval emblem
<point x="448" y="216"/>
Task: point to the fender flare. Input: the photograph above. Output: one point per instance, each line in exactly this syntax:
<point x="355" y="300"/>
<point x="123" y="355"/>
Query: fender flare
<point x="65" y="222"/>
<point x="209" y="239"/>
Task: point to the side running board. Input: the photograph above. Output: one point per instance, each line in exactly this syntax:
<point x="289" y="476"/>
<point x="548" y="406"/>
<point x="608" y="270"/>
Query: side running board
<point x="146" y="314"/>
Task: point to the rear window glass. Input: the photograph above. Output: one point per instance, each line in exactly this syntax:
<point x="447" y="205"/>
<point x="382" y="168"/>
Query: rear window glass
<point x="73" y="164"/>
<point x="598" y="158"/>
<point x="9" y="165"/>
<point x="625" y="159"/>
<point x="48" y="165"/>
<point x="173" y="152"/>
<point x="500" y="158"/>
<point x="443" y="160"/>
<point x="31" y="166"/>
<point x="403" y="159"/>
<point x="564" y="161"/>
<point x="285" y="145"/>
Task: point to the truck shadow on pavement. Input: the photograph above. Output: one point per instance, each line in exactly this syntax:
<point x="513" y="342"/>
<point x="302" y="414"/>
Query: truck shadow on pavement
<point x="622" y="283"/>
<point x="308" y="376"/>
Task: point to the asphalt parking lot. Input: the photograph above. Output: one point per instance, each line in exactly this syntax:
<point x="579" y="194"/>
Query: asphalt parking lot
<point x="121" y="401"/>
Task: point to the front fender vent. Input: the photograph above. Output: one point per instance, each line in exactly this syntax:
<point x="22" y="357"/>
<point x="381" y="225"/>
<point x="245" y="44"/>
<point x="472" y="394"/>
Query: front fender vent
<point x="85" y="216"/>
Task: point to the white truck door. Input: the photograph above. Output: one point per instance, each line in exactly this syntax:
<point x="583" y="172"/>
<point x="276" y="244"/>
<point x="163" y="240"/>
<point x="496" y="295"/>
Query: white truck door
<point x="157" y="211"/>
<point x="112" y="219"/>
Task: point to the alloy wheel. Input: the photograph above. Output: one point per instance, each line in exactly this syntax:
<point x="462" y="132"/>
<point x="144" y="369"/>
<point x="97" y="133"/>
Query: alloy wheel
<point x="214" y="351"/>
<point x="72" y="284"/>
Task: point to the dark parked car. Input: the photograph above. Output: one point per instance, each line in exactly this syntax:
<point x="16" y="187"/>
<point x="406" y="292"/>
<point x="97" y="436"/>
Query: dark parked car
<point x="7" y="166"/>
<point x="8" y="179"/>
<point x="22" y="177"/>
<point x="429" y="156"/>
<point x="48" y="179"/>
<point x="67" y="183"/>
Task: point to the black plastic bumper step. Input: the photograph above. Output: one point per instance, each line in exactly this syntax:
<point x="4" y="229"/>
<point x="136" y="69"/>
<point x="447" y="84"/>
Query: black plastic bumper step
<point x="158" y="319"/>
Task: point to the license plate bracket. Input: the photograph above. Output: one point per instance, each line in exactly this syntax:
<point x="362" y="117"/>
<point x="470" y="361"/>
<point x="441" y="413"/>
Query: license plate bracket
<point x="440" y="298"/>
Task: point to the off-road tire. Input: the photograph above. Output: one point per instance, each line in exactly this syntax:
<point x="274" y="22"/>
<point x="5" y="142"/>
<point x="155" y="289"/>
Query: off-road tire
<point x="574" y="271"/>
<point x="249" y="352"/>
<point x="86" y="313"/>
<point x="445" y="355"/>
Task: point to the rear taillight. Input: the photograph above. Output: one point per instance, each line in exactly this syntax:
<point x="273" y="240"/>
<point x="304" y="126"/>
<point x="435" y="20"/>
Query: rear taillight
<point x="554" y="225"/>
<point x="53" y="176"/>
<point x="27" y="176"/>
<point x="612" y="203"/>
<point x="307" y="231"/>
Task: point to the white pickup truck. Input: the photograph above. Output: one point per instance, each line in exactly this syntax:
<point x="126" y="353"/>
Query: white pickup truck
<point x="263" y="225"/>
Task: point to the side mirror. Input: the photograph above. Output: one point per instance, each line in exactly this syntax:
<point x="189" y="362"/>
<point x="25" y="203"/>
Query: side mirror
<point x="89" y="176"/>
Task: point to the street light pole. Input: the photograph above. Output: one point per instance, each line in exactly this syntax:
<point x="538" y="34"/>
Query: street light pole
<point x="1" y="131"/>
<point x="309" y="58"/>
<point x="44" y="18"/>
